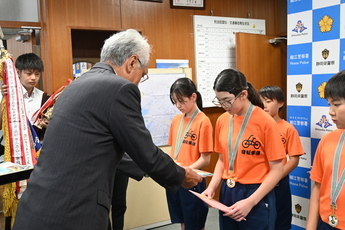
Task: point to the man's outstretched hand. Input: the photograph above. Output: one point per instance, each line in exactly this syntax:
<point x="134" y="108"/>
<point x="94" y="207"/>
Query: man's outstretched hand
<point x="191" y="178"/>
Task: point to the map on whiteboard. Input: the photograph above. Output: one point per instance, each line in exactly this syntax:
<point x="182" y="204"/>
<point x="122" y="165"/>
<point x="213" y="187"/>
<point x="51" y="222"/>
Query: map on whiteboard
<point x="156" y="106"/>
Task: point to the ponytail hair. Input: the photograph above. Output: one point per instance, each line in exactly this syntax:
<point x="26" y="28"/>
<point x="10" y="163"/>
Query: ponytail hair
<point x="199" y="100"/>
<point x="234" y="82"/>
<point x="185" y="87"/>
<point x="254" y="97"/>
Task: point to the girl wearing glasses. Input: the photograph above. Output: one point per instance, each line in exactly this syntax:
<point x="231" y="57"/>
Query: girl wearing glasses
<point x="250" y="155"/>
<point x="191" y="143"/>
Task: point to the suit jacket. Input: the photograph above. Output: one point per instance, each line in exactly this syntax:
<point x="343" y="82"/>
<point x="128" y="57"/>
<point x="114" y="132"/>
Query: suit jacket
<point x="95" y="120"/>
<point x="129" y="168"/>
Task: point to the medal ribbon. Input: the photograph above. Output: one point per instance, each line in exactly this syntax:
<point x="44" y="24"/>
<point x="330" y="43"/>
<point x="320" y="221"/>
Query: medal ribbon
<point x="336" y="187"/>
<point x="179" y="138"/>
<point x="233" y="152"/>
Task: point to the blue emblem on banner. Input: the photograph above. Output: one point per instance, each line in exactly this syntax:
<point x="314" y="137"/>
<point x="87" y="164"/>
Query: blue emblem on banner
<point x="299" y="116"/>
<point x="323" y="122"/>
<point x="300" y="182"/>
<point x="299" y="28"/>
<point x="299" y="59"/>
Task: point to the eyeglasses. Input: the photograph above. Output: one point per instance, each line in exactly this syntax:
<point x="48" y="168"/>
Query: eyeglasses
<point x="146" y="76"/>
<point x="227" y="104"/>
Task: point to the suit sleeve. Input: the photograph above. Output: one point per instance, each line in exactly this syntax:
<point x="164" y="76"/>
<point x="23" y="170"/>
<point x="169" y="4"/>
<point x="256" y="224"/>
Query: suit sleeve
<point x="129" y="168"/>
<point x="128" y="128"/>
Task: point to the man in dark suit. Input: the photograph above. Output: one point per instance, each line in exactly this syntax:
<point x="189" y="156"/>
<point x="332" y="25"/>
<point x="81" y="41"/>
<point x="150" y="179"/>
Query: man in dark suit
<point x="95" y="120"/>
<point x="126" y="168"/>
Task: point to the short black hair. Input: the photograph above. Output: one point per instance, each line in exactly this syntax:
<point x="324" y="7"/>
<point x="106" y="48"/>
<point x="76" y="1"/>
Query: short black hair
<point x="272" y="92"/>
<point x="334" y="88"/>
<point x="29" y="61"/>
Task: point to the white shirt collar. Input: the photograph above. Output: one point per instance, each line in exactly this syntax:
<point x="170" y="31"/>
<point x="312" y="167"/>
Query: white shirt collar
<point x="25" y="92"/>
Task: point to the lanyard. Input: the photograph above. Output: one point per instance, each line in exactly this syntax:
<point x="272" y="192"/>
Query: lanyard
<point x="179" y="137"/>
<point x="233" y="152"/>
<point x="337" y="183"/>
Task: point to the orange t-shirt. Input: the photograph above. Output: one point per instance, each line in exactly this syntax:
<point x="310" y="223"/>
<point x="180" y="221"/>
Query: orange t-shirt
<point x="290" y="138"/>
<point x="198" y="139"/>
<point x="260" y="144"/>
<point x="322" y="173"/>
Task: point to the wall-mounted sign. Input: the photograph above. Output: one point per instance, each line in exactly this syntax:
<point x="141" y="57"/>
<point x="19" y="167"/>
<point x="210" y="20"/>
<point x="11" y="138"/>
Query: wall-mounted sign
<point x="188" y="4"/>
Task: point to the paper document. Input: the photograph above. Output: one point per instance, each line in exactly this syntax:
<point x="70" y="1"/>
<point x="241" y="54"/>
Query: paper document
<point x="202" y="173"/>
<point x="212" y="202"/>
<point x="198" y="171"/>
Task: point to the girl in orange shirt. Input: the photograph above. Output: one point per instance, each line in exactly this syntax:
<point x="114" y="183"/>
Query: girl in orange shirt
<point x="250" y="155"/>
<point x="192" y="143"/>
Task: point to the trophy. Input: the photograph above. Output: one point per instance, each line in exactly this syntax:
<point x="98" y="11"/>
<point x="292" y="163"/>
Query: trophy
<point x="45" y="116"/>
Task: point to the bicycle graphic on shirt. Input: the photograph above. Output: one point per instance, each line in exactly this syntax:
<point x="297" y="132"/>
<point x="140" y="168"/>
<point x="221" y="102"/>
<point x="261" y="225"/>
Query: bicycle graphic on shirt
<point x="283" y="139"/>
<point x="251" y="141"/>
<point x="190" y="134"/>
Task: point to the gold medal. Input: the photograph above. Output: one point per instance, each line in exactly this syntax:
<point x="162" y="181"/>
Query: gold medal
<point x="333" y="220"/>
<point x="230" y="182"/>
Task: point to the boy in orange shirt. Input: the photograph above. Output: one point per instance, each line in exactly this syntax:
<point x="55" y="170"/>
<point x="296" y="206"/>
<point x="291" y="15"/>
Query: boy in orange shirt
<point x="328" y="194"/>
<point x="273" y="100"/>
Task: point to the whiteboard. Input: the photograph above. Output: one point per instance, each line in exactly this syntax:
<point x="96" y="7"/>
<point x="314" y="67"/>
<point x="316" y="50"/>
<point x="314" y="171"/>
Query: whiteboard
<point x="214" y="45"/>
<point x="156" y="106"/>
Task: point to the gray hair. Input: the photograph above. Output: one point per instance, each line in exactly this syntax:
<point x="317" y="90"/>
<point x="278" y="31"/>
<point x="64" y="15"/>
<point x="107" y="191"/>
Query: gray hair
<point x="120" y="46"/>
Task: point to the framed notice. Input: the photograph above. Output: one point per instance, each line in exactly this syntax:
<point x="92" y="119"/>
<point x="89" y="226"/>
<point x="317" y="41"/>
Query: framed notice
<point x="214" y="42"/>
<point x="188" y="4"/>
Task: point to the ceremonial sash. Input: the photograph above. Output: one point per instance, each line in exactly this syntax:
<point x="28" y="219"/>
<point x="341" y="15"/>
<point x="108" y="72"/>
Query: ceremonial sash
<point x="19" y="142"/>
<point x="19" y="134"/>
<point x="47" y="105"/>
